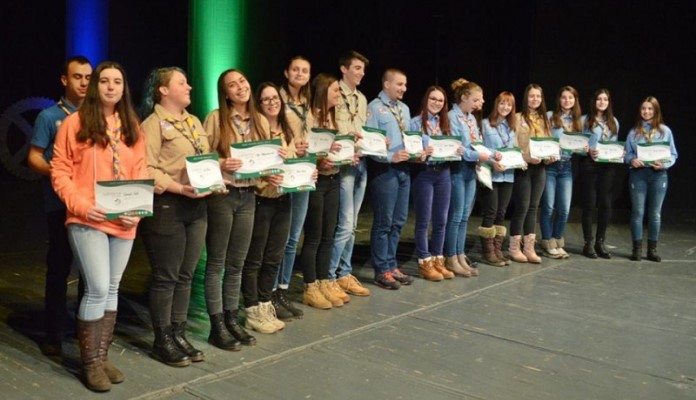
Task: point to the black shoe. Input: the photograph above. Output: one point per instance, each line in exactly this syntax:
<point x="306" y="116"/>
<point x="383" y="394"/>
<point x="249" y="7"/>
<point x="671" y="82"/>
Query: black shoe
<point x="233" y="326"/>
<point x="401" y="277"/>
<point x="652" y="251"/>
<point x="165" y="350"/>
<point x="386" y="280"/>
<point x="283" y="300"/>
<point x="220" y="337"/>
<point x="588" y="251"/>
<point x="601" y="249"/>
<point x="637" y="252"/>
<point x="179" y="335"/>
<point x="282" y="312"/>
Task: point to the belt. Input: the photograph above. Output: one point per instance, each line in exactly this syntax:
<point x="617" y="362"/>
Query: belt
<point x="243" y="189"/>
<point x="437" y="167"/>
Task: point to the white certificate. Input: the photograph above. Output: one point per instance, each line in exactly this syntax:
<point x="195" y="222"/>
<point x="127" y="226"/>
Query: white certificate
<point x="297" y="175"/>
<point x="347" y="152"/>
<point x="512" y="158"/>
<point x="319" y="141"/>
<point x="445" y="148"/>
<point x="125" y="197"/>
<point x="574" y="142"/>
<point x="610" y="152"/>
<point x="204" y="173"/>
<point x="259" y="158"/>
<point x="481" y="148"/>
<point x="484" y="174"/>
<point x="648" y="153"/>
<point x="373" y="142"/>
<point x="413" y="143"/>
<point x="544" y="148"/>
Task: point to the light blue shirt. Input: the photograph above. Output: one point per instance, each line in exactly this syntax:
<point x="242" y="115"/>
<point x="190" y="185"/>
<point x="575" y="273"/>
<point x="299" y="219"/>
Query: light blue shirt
<point x="596" y="132"/>
<point x="556" y="132"/>
<point x="460" y="128"/>
<point x="499" y="137"/>
<point x="416" y="125"/>
<point x="665" y="137"/>
<point x="380" y="116"/>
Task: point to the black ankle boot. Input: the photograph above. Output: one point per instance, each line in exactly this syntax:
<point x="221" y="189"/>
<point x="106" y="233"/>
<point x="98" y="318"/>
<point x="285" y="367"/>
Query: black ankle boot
<point x="637" y="253"/>
<point x="233" y="326"/>
<point x="588" y="251"/>
<point x="282" y="298"/>
<point x="179" y="334"/>
<point x="165" y="350"/>
<point x="600" y="249"/>
<point x="652" y="251"/>
<point x="220" y="337"/>
<point x="281" y="311"/>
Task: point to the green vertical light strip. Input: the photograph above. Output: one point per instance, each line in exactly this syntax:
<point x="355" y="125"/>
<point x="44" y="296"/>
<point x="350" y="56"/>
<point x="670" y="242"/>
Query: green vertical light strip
<point x="216" y="43"/>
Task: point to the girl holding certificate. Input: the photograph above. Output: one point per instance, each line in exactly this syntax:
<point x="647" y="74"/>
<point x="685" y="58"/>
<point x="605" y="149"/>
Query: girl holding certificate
<point x="498" y="133"/>
<point x="597" y="179"/>
<point x="231" y="215"/>
<point x="529" y="183"/>
<point x="322" y="209"/>
<point x="648" y="180"/>
<point x="296" y="95"/>
<point x="271" y="219"/>
<point x="174" y="236"/>
<point x="100" y="142"/>
<point x="431" y="189"/>
<point x="566" y="118"/>
<point x="469" y="97"/>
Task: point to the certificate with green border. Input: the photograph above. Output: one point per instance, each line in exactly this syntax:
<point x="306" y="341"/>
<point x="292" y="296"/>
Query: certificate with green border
<point x="132" y="198"/>
<point x="259" y="158"/>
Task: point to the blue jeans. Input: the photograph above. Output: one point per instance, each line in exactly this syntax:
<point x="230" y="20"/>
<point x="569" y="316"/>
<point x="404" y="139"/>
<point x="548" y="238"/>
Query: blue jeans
<point x="351" y="193"/>
<point x="431" y="196"/>
<point x="299" y="202"/>
<point x="230" y="224"/>
<point x="557" y="194"/>
<point x="101" y="259"/>
<point x="390" y="192"/>
<point x="463" y="178"/>
<point x="648" y="189"/>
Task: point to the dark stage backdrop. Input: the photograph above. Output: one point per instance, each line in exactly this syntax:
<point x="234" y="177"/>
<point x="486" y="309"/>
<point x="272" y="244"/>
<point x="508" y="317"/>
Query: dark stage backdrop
<point x="633" y="49"/>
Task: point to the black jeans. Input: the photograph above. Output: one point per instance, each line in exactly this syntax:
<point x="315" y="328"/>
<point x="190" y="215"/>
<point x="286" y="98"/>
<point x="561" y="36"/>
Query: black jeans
<point x="230" y="222"/>
<point x="174" y="239"/>
<point x="58" y="262"/>
<point x="494" y="203"/>
<point x="320" y="226"/>
<point x="526" y="194"/>
<point x="596" y="183"/>
<point x="270" y="233"/>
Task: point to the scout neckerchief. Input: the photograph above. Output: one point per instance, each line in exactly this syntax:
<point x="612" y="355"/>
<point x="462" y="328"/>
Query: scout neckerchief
<point x="434" y="128"/>
<point x="508" y="136"/>
<point x="352" y="114"/>
<point x="396" y="112"/>
<point x="114" y="140"/>
<point x="62" y="106"/>
<point x="191" y="134"/>
<point x="602" y="122"/>
<point x="473" y="128"/>
<point x="567" y="122"/>
<point x="302" y="115"/>
<point x="535" y="120"/>
<point x="238" y="121"/>
<point x="649" y="136"/>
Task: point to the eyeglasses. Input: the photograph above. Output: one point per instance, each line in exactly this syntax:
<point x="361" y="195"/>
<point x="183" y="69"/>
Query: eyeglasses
<point x="268" y="100"/>
<point x="436" y="100"/>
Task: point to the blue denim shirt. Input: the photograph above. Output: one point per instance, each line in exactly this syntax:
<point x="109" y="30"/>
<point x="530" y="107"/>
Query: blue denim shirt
<point x="596" y="132"/>
<point x="665" y="137"/>
<point x="496" y="138"/>
<point x="379" y="116"/>
<point x="460" y="128"/>
<point x="558" y="131"/>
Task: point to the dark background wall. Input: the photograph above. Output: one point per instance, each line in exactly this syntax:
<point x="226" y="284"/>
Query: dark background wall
<point x="633" y="49"/>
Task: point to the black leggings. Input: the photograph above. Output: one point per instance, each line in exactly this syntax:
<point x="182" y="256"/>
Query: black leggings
<point x="494" y="203"/>
<point x="596" y="182"/>
<point x="526" y="195"/>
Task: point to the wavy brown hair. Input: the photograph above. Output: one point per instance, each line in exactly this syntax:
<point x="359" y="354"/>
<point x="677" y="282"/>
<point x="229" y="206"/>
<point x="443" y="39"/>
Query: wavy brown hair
<point x="282" y="117"/>
<point x="575" y="112"/>
<point x="609" y="114"/>
<point x="541" y="110"/>
<point x="320" y="89"/>
<point x="657" y="120"/>
<point x="442" y="115"/>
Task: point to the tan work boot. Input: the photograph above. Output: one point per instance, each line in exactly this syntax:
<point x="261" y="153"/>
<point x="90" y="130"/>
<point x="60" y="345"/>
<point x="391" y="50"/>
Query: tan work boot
<point x="487" y="235"/>
<point x="439" y="265"/>
<point x="314" y="298"/>
<point x="427" y="271"/>
<point x="338" y="292"/>
<point x="351" y="285"/>
<point x="452" y="264"/>
<point x="258" y="320"/>
<point x="515" y="251"/>
<point x="529" y="251"/>
<point x="326" y="290"/>
<point x="500" y="233"/>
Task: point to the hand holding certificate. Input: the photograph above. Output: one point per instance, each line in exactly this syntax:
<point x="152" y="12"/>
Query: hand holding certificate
<point x="347" y="152"/>
<point x="544" y="148"/>
<point x="320" y="141"/>
<point x="298" y="175"/>
<point x="609" y="152"/>
<point x="132" y="198"/>
<point x="373" y="142"/>
<point x="259" y="158"/>
<point x="650" y="153"/>
<point x="204" y="173"/>
<point x="574" y="142"/>
<point x="481" y="148"/>
<point x="413" y="143"/>
<point x="512" y="158"/>
<point x="445" y="148"/>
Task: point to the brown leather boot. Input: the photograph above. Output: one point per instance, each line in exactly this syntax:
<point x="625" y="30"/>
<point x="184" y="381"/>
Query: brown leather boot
<point x="439" y="265"/>
<point x="488" y="247"/>
<point x="89" y="336"/>
<point x="107" y="335"/>
<point x="514" y="250"/>
<point x="529" y="251"/>
<point x="452" y="264"/>
<point x="427" y="271"/>
<point x="500" y="233"/>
